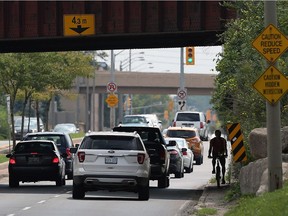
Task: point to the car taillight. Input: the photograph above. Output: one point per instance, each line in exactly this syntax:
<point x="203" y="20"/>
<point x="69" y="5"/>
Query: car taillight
<point x="162" y="155"/>
<point x="184" y="152"/>
<point x="68" y="152"/>
<point x="81" y="156"/>
<point x="55" y="160"/>
<point x="140" y="158"/>
<point x="12" y="160"/>
<point x="174" y="124"/>
<point x="173" y="152"/>
<point x="201" y="125"/>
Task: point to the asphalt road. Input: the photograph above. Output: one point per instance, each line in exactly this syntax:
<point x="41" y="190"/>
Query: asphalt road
<point x="45" y="199"/>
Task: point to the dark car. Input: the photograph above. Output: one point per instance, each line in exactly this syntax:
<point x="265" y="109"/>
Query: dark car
<point x="29" y="126"/>
<point x="156" y="147"/>
<point x="63" y="142"/>
<point x="176" y="166"/>
<point x="36" y="160"/>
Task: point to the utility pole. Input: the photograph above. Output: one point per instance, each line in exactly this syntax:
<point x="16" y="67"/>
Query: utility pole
<point x="274" y="148"/>
<point x="112" y="109"/>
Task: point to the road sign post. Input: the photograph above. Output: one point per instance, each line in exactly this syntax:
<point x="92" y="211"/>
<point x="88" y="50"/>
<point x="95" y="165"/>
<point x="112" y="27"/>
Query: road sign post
<point x="271" y="43"/>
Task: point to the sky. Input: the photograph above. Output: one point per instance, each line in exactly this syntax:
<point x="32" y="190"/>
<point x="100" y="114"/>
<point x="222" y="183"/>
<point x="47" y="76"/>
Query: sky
<point x="166" y="60"/>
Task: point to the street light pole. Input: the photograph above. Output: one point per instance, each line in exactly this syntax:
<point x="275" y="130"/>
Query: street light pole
<point x="112" y="109"/>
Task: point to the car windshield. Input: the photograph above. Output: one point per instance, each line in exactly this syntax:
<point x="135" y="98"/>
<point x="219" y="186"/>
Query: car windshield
<point x="33" y="147"/>
<point x="181" y="133"/>
<point x="58" y="139"/>
<point x="188" y="117"/>
<point x="33" y="123"/>
<point x="65" y="128"/>
<point x="134" y="119"/>
<point x="111" y="142"/>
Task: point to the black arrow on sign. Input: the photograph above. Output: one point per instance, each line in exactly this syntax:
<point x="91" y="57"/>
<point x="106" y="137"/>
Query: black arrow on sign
<point x="79" y="29"/>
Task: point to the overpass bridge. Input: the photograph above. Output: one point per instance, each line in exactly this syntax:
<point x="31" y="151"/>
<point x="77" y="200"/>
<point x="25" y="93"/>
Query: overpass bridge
<point x="148" y="83"/>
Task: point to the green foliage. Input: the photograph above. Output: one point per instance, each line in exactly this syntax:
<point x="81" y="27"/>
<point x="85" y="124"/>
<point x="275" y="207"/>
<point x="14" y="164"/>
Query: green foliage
<point x="270" y="203"/>
<point x="206" y="211"/>
<point x="3" y="158"/>
<point x="240" y="65"/>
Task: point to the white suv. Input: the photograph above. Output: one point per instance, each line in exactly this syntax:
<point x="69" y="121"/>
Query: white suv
<point x="192" y="119"/>
<point x="111" y="161"/>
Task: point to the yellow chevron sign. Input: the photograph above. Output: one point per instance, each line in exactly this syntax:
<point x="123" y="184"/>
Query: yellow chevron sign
<point x="236" y="137"/>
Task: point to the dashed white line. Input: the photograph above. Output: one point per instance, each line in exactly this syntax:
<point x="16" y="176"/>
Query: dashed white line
<point x="42" y="201"/>
<point x="26" y="208"/>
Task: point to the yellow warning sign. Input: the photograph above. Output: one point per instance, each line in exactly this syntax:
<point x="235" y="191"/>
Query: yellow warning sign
<point x="272" y="84"/>
<point x="271" y="43"/>
<point x="236" y="138"/>
<point x="112" y="100"/>
<point x="79" y="24"/>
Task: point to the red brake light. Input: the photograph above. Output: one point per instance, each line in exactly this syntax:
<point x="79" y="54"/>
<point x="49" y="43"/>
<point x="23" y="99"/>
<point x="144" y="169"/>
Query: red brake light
<point x="201" y="125"/>
<point x="184" y="152"/>
<point x="81" y="156"/>
<point x="162" y="155"/>
<point x="68" y="152"/>
<point x="173" y="152"/>
<point x="174" y="124"/>
<point x="55" y="160"/>
<point x="140" y="158"/>
<point x="12" y="160"/>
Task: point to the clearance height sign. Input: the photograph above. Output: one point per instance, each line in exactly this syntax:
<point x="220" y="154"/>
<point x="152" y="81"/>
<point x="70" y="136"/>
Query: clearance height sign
<point x="272" y="84"/>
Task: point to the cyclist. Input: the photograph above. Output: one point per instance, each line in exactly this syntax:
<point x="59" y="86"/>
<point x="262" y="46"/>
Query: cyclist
<point x="218" y="147"/>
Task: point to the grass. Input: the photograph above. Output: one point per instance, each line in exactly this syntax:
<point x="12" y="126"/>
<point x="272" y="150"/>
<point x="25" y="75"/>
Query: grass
<point x="206" y="211"/>
<point x="77" y="135"/>
<point x="3" y="158"/>
<point x="271" y="203"/>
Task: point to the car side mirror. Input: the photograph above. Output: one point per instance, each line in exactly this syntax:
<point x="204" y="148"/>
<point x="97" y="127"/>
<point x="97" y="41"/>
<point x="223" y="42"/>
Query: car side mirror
<point x="184" y="149"/>
<point x="208" y="121"/>
<point x="73" y="150"/>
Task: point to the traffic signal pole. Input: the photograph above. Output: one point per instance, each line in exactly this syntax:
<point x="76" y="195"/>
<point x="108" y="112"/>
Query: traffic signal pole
<point x="274" y="148"/>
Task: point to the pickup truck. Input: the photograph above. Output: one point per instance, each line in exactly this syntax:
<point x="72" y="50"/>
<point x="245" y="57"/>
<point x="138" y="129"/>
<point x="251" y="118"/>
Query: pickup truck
<point x="155" y="146"/>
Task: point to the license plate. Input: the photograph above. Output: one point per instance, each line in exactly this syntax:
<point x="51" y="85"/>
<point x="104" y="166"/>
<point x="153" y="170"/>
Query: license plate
<point x="111" y="160"/>
<point x="33" y="160"/>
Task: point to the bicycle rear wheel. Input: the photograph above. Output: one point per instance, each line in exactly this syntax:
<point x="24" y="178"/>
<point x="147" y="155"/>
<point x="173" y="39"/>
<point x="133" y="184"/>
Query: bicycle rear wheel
<point x="218" y="174"/>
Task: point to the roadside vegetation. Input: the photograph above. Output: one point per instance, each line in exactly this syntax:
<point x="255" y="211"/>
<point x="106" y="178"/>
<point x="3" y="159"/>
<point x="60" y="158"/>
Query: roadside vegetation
<point x="3" y="158"/>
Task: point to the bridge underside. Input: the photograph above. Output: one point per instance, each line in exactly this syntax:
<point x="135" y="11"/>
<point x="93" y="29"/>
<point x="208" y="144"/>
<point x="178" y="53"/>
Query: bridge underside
<point x="37" y="26"/>
<point x="149" y="83"/>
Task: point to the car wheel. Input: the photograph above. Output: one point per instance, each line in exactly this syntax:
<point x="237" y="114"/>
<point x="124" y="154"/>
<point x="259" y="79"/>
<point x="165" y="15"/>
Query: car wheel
<point x="59" y="181"/>
<point x="164" y="181"/>
<point x="13" y="182"/>
<point x="78" y="192"/>
<point x="198" y="161"/>
<point x="178" y="175"/>
<point x="143" y="192"/>
<point x="70" y="175"/>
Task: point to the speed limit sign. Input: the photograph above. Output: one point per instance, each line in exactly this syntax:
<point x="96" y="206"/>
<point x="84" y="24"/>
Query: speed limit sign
<point x="111" y="87"/>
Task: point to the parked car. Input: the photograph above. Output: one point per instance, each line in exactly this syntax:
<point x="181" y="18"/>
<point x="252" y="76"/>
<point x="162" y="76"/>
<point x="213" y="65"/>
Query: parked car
<point x="193" y="119"/>
<point x="188" y="155"/>
<point x="154" y="119"/>
<point x="111" y="161"/>
<point x="63" y="142"/>
<point x="36" y="160"/>
<point x="176" y="166"/>
<point x="156" y="147"/>
<point x="136" y="120"/>
<point x="193" y="139"/>
<point x="29" y="126"/>
<point x="66" y="128"/>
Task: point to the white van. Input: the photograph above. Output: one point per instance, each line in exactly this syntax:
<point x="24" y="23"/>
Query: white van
<point x="192" y="119"/>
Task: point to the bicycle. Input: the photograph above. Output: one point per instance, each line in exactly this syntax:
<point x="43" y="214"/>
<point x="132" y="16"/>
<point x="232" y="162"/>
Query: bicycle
<point x="217" y="170"/>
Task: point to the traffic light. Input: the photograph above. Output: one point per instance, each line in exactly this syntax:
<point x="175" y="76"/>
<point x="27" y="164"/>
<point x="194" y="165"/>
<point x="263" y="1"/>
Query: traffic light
<point x="190" y="56"/>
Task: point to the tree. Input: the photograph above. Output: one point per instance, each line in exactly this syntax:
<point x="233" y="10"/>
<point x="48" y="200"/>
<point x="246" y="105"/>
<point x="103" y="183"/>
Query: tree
<point x="24" y="75"/>
<point x="240" y="65"/>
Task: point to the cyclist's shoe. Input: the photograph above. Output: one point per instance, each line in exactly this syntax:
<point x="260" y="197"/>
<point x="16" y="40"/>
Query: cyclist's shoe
<point x="223" y="181"/>
<point x="213" y="171"/>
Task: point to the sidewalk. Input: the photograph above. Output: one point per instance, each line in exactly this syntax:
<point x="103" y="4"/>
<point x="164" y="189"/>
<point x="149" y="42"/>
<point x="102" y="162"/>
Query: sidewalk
<point x="4" y="169"/>
<point x="212" y="198"/>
